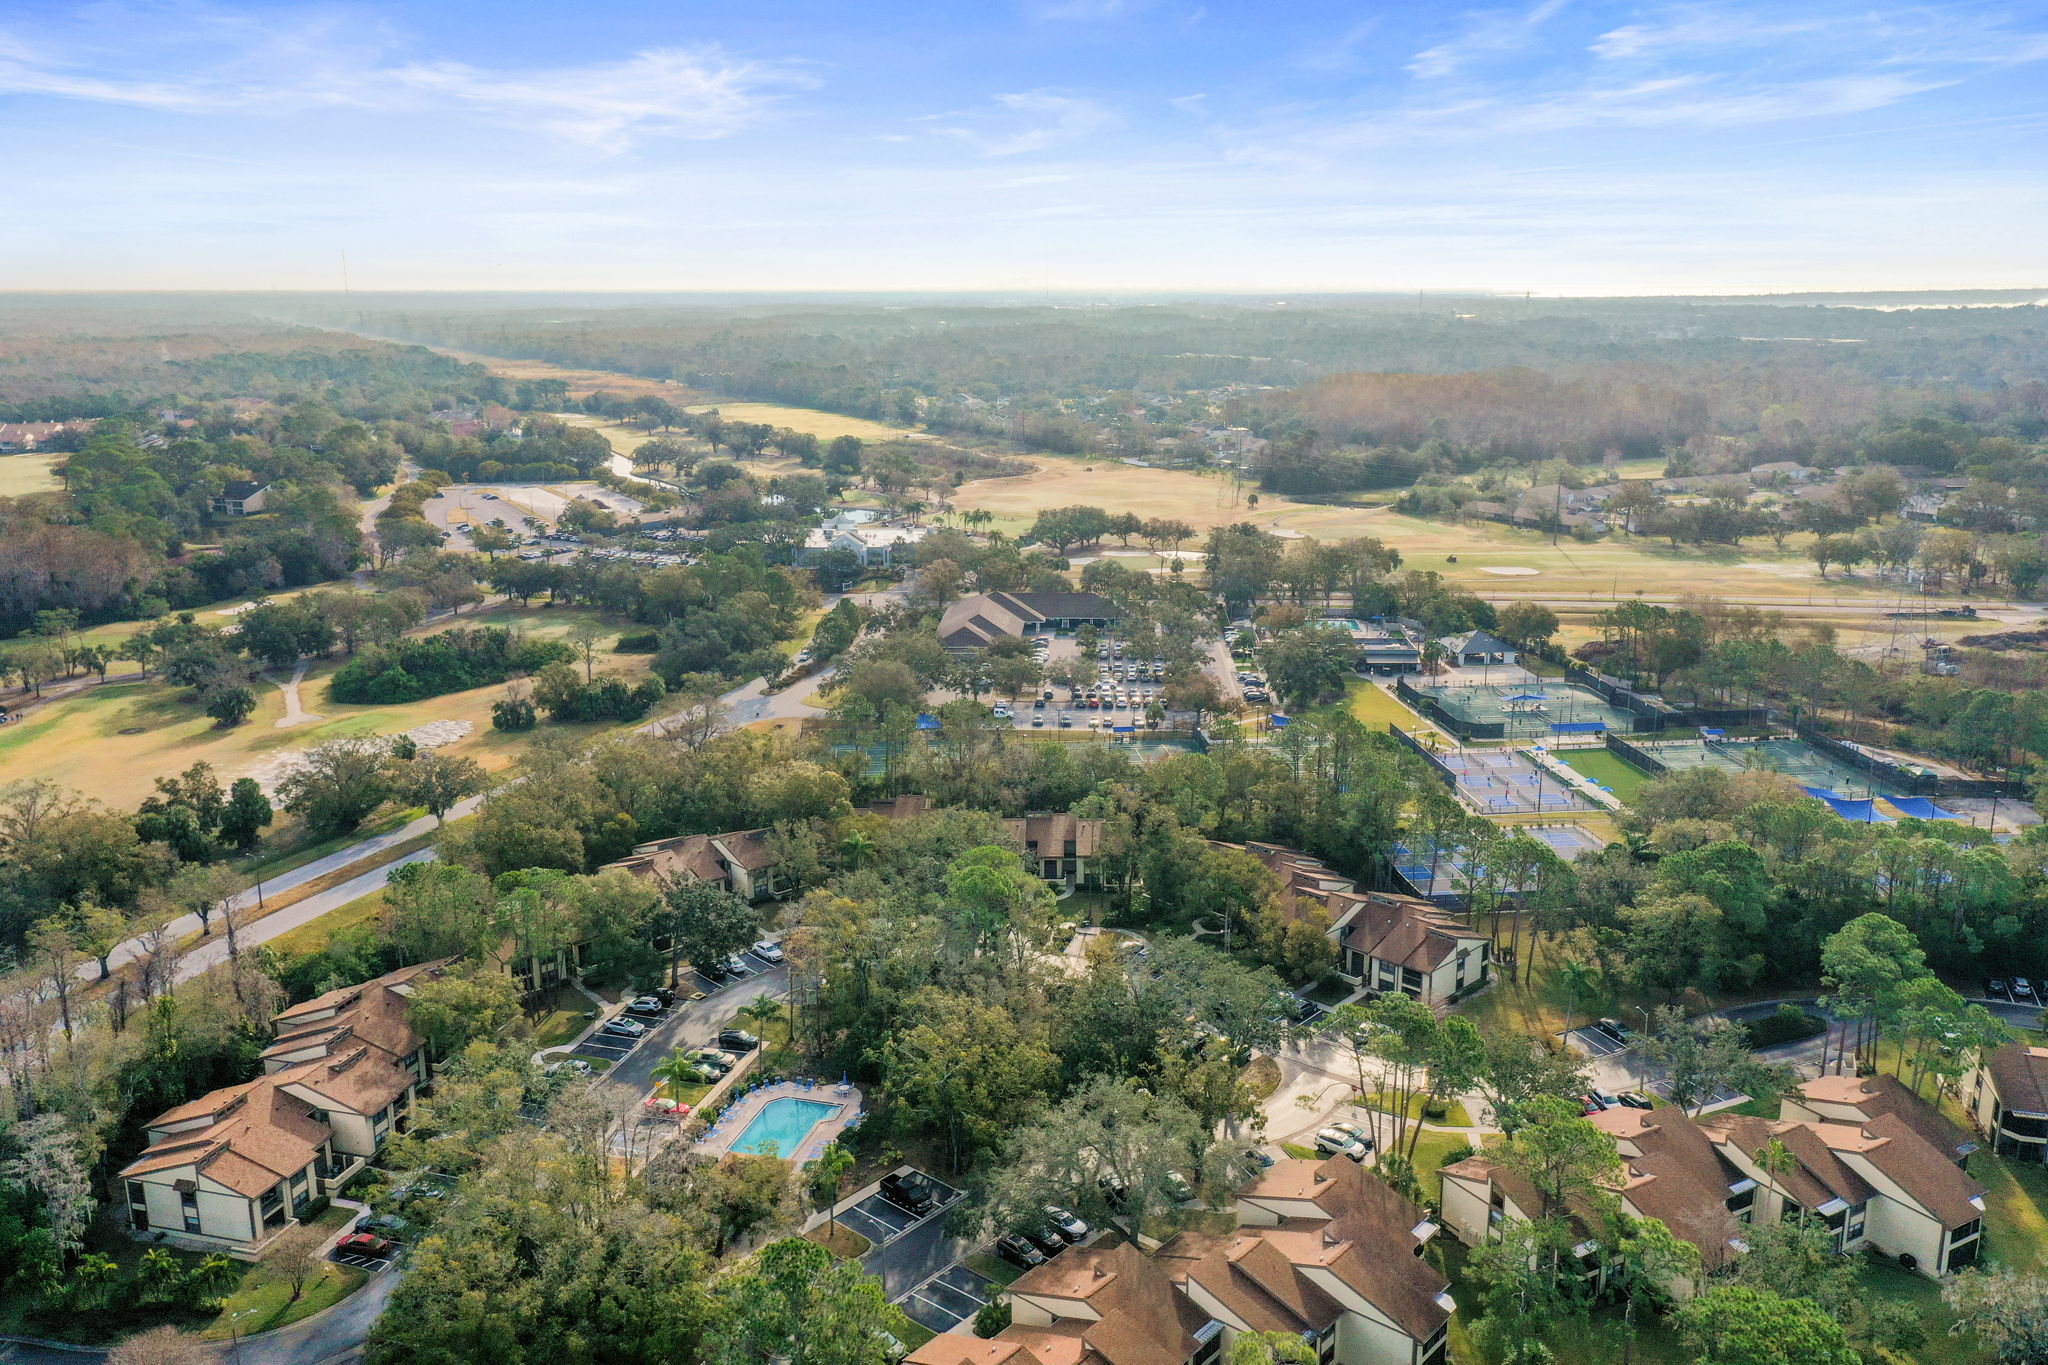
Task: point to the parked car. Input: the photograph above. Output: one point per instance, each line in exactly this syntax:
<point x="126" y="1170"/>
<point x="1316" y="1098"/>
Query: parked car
<point x="666" y="996"/>
<point x="1636" y="1099"/>
<point x="646" y="1004"/>
<point x="1590" y="1105"/>
<point x="1002" y="713"/>
<point x="1356" y="1133"/>
<point x="1114" y="1192"/>
<point x="2023" y="991"/>
<point x="1065" y="1223"/>
<point x="768" y="950"/>
<point x="1257" y="1159"/>
<point x="364" y="1244"/>
<point x="1613" y="1030"/>
<point x="1997" y="989"/>
<point x="1046" y="1238"/>
<point x="1330" y="1142"/>
<point x="736" y="967"/>
<point x="1018" y="1251"/>
<point x="1177" y="1187"/>
<point x="909" y="1191"/>
<point x="713" y="1059"/>
<point x="624" y="1028"/>
<point x="738" y="1040"/>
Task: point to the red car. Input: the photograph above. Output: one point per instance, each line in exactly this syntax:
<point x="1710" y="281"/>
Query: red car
<point x="363" y="1244"/>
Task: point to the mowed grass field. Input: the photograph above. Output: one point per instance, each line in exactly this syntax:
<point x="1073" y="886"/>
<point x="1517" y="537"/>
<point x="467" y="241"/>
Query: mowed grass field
<point x="580" y="382"/>
<point x="823" y="425"/>
<point x="79" y="741"/>
<point x="22" y="474"/>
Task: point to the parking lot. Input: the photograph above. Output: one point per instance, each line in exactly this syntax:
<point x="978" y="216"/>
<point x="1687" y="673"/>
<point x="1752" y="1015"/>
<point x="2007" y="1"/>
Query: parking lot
<point x="947" y="1299"/>
<point x="612" y="1047"/>
<point x="882" y="1222"/>
<point x="1596" y="1042"/>
<point x="362" y="1260"/>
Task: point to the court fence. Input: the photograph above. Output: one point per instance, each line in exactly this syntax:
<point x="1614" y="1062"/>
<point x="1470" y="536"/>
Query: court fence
<point x="1634" y="756"/>
<point x="1907" y="782"/>
<point x="1443" y="716"/>
<point x="1436" y="764"/>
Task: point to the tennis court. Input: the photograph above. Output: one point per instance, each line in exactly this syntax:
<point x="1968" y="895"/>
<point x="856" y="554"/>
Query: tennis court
<point x="1441" y="872"/>
<point x="1506" y="782"/>
<point x="1530" y="710"/>
<point x="1850" y="792"/>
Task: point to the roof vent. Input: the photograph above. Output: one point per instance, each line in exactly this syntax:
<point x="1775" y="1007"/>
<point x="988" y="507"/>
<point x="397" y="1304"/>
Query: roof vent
<point x="1100" y="1273"/>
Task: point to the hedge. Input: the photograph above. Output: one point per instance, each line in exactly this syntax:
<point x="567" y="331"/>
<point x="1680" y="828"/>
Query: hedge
<point x="453" y="661"/>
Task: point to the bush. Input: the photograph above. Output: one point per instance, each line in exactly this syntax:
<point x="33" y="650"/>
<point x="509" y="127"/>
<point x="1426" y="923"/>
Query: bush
<point x="640" y="642"/>
<point x="1788" y="1025"/>
<point x="991" y="1318"/>
<point x="514" y="713"/>
<point x="453" y="661"/>
<point x="1458" y="1154"/>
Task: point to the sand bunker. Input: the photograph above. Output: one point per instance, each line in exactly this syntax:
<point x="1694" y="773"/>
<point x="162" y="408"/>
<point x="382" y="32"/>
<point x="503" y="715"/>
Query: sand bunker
<point x="1508" y="572"/>
<point x="272" y="771"/>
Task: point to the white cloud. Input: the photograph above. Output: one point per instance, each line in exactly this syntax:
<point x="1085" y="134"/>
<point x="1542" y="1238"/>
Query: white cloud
<point x="1049" y="119"/>
<point x="225" y="64"/>
<point x="1485" y="34"/>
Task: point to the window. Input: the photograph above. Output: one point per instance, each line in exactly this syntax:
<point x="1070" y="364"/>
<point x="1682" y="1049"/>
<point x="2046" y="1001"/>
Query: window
<point x="188" y="1204"/>
<point x="138" y="1205"/>
<point x="1741" y="1204"/>
<point x="1966" y="1231"/>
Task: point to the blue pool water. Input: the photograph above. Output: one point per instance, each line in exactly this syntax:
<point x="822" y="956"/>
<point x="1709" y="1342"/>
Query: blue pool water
<point x="781" y="1127"/>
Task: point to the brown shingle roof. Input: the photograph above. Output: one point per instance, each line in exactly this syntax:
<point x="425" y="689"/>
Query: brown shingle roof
<point x="688" y="855"/>
<point x="2021" y="1075"/>
<point x="1046" y="835"/>
<point x="1872" y="1096"/>
<point x="261" y="1136"/>
<point x="1402" y="930"/>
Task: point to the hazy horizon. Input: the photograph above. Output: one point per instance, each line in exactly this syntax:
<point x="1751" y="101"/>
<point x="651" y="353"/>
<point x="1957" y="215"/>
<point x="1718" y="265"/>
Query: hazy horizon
<point x="1573" y="149"/>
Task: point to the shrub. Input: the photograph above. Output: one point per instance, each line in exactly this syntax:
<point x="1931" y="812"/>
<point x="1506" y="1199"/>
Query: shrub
<point x="640" y="642"/>
<point x="514" y="713"/>
<point x="991" y="1318"/>
<point x="1788" y="1025"/>
<point x="1458" y="1154"/>
<point x="453" y="661"/>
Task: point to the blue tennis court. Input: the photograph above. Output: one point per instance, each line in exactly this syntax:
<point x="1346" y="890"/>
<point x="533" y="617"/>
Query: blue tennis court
<point x="1506" y="782"/>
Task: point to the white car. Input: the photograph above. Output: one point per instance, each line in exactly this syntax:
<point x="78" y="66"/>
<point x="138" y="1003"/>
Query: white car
<point x="768" y="950"/>
<point x="1003" y="713"/>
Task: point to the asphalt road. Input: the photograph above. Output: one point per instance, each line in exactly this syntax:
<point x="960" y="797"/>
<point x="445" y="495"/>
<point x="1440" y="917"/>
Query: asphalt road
<point x="694" y="1024"/>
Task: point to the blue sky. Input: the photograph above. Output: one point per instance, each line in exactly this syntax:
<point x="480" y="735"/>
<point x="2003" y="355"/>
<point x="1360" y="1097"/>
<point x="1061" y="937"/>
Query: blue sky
<point x="1558" y="146"/>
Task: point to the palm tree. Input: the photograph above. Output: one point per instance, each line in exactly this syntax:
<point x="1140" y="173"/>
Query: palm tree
<point x="764" y="1010"/>
<point x="1575" y="974"/>
<point x="675" y="1071"/>
<point x="858" y="848"/>
<point x="828" y="1176"/>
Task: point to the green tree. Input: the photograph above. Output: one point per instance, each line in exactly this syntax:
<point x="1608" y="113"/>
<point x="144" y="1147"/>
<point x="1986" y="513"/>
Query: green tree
<point x="229" y="703"/>
<point x="337" y="785"/>
<point x="458" y="1007"/>
<point x="1270" y="1348"/>
<point x="966" y="1067"/>
<point x="706" y="924"/>
<point x="1866" y="964"/>
<point x="1738" y="1325"/>
<point x="826" y="1176"/>
<point x="796" y="1302"/>
<point x="438" y="781"/>
<point x="2005" y="1308"/>
<point x="246" y="815"/>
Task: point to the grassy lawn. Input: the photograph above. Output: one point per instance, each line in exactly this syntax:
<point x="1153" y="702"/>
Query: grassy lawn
<point x="992" y="1268"/>
<point x="1376" y="708"/>
<point x="2016" y="1210"/>
<point x="1430" y="1150"/>
<point x="315" y="936"/>
<point x="841" y="1240"/>
<point x="290" y="854"/>
<point x="1537" y="1004"/>
<point x="260" y="1302"/>
<point x="823" y="425"/>
<point x="115" y="740"/>
<point x="22" y="474"/>
<point x="1262" y="1074"/>
<point x="1606" y="768"/>
<point x="1454" y="1115"/>
<point x="1295" y="1149"/>
<point x="559" y="1014"/>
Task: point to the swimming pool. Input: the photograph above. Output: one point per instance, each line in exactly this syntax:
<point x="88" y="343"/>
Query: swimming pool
<point x="781" y="1127"/>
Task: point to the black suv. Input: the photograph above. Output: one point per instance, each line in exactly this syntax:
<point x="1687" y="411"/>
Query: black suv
<point x="738" y="1040"/>
<point x="909" y="1192"/>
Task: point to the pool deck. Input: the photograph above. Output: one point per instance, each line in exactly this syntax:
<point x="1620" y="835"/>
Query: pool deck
<point x="747" y="1107"/>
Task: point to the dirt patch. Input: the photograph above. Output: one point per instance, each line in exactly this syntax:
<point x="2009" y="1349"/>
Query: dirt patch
<point x="2032" y="640"/>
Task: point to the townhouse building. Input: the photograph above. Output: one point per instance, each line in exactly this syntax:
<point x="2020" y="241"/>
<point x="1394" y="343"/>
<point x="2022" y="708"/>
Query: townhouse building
<point x="1873" y="1164"/>
<point x="235" y="1168"/>
<point x="1322" y="1249"/>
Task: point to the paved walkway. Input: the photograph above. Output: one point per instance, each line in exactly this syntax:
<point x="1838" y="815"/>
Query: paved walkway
<point x="294" y="713"/>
